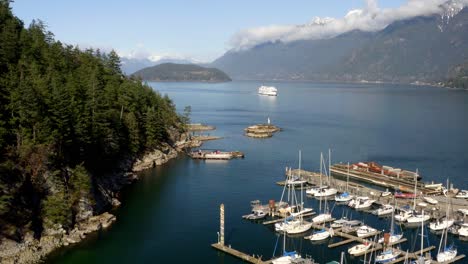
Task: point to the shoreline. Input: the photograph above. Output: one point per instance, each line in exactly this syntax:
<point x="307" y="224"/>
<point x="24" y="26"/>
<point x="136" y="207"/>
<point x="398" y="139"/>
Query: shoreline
<point x="32" y="250"/>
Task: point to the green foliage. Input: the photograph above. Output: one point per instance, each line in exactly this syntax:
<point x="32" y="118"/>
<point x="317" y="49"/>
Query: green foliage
<point x="56" y="210"/>
<point x="182" y="72"/>
<point x="63" y="108"/>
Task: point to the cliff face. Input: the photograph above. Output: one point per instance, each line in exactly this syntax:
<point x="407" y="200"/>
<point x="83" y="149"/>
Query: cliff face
<point x="92" y="216"/>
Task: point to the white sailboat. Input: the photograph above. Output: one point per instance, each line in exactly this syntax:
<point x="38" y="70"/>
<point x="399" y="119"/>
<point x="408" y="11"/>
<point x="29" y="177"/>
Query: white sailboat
<point x="422" y="259"/>
<point x="446" y="253"/>
<point x="300" y="225"/>
<point x="394" y="236"/>
<point x="417" y="217"/>
<point x="289" y="257"/>
<point x="388" y="255"/>
<point x="345" y="196"/>
<point x="361" y="202"/>
<point x="325" y="215"/>
<point x="360" y="248"/>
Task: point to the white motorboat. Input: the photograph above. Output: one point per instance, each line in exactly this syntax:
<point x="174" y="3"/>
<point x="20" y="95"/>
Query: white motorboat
<point x="384" y="210"/>
<point x="361" y="202"/>
<point x="463" y="194"/>
<point x="267" y="90"/>
<point x="295" y="181"/>
<point x="430" y="200"/>
<point x="320" y="235"/>
<point x="388" y="255"/>
<point x="255" y="215"/>
<point x="360" y="248"/>
<point x="344" y="197"/>
<point x="365" y="230"/>
<point x="281" y="226"/>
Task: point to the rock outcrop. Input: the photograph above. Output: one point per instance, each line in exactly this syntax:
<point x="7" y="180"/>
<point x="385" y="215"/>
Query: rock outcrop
<point x="31" y="250"/>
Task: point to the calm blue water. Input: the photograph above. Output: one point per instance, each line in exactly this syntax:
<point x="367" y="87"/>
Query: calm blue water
<point x="171" y="214"/>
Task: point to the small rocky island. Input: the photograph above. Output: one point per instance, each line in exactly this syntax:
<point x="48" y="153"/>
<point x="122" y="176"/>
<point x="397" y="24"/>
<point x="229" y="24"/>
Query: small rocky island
<point x="261" y="130"/>
<point x="173" y="72"/>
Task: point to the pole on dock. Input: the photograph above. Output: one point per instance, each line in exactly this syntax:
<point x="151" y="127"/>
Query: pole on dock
<point x="221" y="224"/>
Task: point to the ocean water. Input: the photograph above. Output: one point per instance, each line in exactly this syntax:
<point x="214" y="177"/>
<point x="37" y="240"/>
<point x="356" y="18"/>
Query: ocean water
<point x="172" y="214"/>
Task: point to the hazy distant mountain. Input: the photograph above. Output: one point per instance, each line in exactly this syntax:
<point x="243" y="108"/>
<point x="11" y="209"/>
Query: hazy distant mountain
<point x="418" y="49"/>
<point x="131" y="65"/>
<point x="182" y="72"/>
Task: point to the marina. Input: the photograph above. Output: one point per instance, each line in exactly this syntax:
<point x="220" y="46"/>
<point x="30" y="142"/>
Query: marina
<point x="189" y="189"/>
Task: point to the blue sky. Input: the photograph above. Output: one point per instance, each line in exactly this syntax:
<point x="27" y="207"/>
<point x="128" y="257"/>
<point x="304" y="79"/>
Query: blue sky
<point x="199" y="29"/>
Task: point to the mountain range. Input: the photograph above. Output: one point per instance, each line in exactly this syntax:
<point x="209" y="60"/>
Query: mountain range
<point x="420" y="49"/>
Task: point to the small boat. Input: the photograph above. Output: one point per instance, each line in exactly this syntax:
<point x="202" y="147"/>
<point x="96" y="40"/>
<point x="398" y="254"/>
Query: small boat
<point x="361" y="202"/>
<point x="384" y="210"/>
<point x="422" y="204"/>
<point x="386" y="193"/>
<point x="388" y="255"/>
<point x="441" y="225"/>
<point x="312" y="191"/>
<point x="320" y="235"/>
<point x="430" y="200"/>
<point x="402" y="195"/>
<point x="324" y="192"/>
<point x="403" y="214"/>
<point x="344" y="197"/>
<point x="435" y="186"/>
<point x="463" y="211"/>
<point x="295" y="181"/>
<point x="463" y="194"/>
<point x="322" y="218"/>
<point x="339" y="223"/>
<point x="255" y="215"/>
<point x="298" y="227"/>
<point x="449" y="253"/>
<point x="365" y="231"/>
<point x="267" y="90"/>
<point x="217" y="155"/>
<point x="351" y="226"/>
<point x="393" y="238"/>
<point x="360" y="248"/>
<point x="463" y="231"/>
<point x="418" y="218"/>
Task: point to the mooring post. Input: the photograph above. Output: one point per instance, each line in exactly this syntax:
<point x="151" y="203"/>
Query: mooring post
<point x="221" y="224"/>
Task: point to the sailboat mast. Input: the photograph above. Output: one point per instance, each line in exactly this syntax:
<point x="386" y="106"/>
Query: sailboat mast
<point x="321" y="160"/>
<point x="415" y="186"/>
<point x="347" y="178"/>
<point x="302" y="200"/>
<point x="422" y="233"/>
<point x="329" y="167"/>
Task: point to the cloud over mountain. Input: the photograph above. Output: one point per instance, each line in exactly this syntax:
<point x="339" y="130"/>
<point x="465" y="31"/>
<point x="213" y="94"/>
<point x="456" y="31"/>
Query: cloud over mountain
<point x="370" y="18"/>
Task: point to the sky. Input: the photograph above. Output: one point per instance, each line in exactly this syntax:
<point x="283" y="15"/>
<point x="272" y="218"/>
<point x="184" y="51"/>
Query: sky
<point x="197" y="29"/>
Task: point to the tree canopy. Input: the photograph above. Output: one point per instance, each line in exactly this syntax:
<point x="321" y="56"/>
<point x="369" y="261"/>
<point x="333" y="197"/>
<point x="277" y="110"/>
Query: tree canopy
<point x="66" y="117"/>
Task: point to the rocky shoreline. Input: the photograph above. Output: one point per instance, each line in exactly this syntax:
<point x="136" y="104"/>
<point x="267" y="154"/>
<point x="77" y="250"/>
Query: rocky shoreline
<point x="33" y="250"/>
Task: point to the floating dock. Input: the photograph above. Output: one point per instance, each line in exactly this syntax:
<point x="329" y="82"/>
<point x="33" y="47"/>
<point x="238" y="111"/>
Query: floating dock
<point x="216" y="155"/>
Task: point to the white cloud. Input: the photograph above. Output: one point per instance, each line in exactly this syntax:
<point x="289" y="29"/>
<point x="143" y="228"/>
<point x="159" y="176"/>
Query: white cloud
<point x="142" y="53"/>
<point x="370" y="18"/>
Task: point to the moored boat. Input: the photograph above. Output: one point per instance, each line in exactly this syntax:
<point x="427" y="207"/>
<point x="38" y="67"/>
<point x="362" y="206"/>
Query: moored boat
<point x="388" y="255"/>
<point x="430" y="200"/>
<point x="365" y="231"/>
<point x="360" y="248"/>
<point x="267" y="90"/>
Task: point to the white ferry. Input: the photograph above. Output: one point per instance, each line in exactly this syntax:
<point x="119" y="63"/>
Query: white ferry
<point x="267" y="90"/>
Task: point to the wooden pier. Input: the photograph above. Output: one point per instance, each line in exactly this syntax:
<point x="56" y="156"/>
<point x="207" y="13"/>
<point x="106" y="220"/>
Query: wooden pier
<point x="236" y="253"/>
